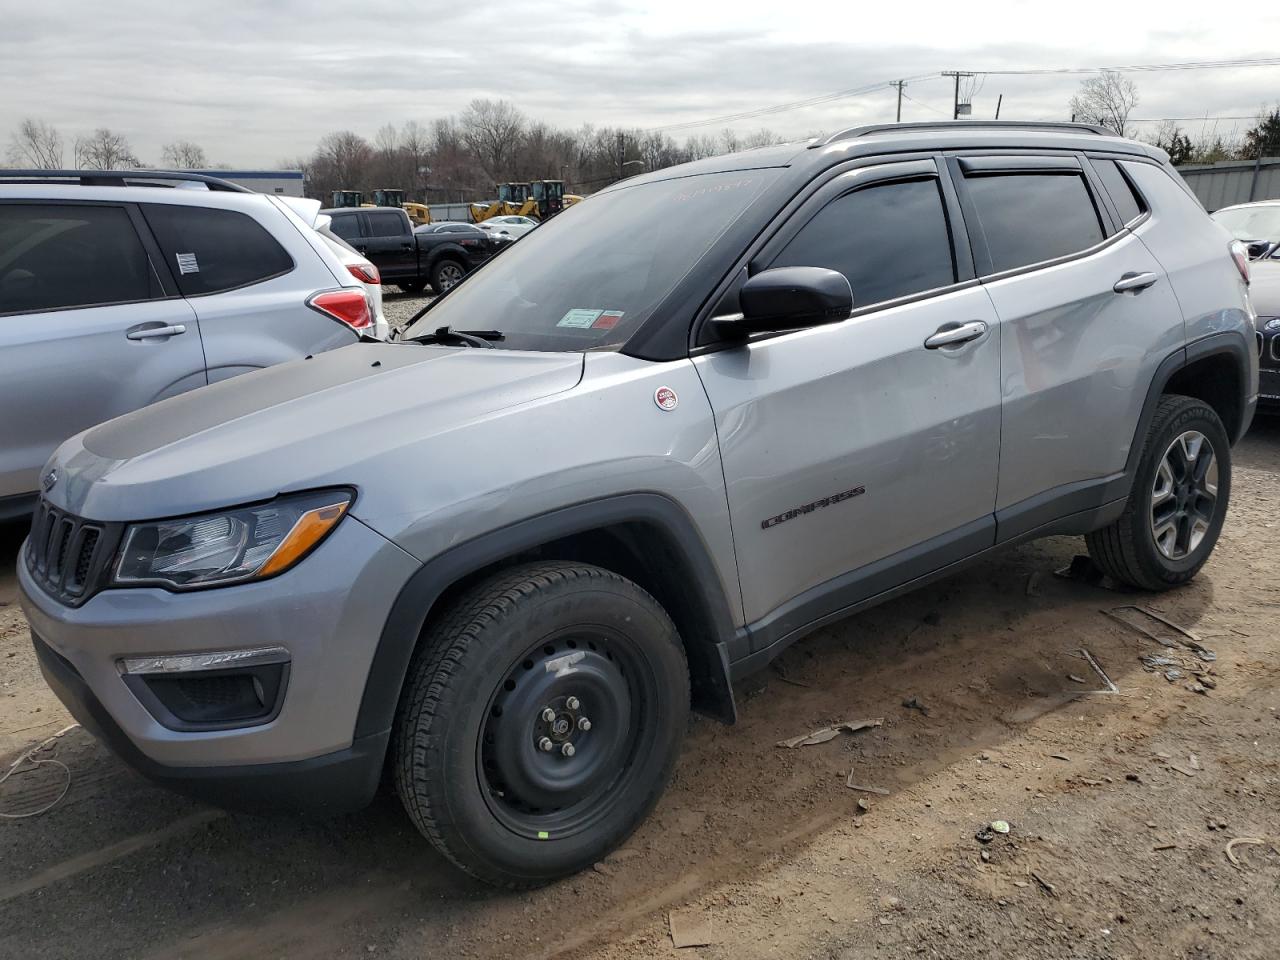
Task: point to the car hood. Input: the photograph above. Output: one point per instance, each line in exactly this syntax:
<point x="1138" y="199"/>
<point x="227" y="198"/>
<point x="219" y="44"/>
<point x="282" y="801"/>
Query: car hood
<point x="1264" y="287"/>
<point x="322" y="421"/>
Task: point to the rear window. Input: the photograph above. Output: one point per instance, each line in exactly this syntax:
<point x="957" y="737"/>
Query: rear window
<point x="213" y="250"/>
<point x="385" y="225"/>
<point x="54" y="256"/>
<point x="1127" y="201"/>
<point x="1030" y="218"/>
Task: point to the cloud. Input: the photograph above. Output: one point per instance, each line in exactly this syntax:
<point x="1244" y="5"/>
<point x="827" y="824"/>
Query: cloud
<point x="253" y="83"/>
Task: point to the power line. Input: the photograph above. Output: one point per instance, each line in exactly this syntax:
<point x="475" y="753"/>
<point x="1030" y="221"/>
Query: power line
<point x="1029" y="72"/>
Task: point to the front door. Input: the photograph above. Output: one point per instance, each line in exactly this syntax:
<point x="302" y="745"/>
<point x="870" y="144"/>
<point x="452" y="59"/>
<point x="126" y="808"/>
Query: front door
<point x="87" y="332"/>
<point x="864" y="453"/>
<point x="389" y="245"/>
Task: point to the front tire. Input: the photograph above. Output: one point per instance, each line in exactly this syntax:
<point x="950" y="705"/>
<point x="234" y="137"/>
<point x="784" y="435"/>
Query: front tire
<point x="1178" y="503"/>
<point x="540" y="722"/>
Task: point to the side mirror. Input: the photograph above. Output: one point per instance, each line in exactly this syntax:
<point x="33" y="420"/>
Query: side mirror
<point x="788" y="298"/>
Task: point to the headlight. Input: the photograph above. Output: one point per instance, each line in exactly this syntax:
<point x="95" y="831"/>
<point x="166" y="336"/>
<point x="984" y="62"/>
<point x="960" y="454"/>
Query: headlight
<point x="1272" y="325"/>
<point x="229" y="546"/>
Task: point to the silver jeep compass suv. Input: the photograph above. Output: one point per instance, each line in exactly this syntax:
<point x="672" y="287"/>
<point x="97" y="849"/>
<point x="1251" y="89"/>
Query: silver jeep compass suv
<point x="667" y="434"/>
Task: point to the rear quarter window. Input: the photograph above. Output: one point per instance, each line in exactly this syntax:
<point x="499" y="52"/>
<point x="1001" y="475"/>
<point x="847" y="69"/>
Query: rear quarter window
<point x="212" y="250"/>
<point x="1034" y="217"/>
<point x="1129" y="203"/>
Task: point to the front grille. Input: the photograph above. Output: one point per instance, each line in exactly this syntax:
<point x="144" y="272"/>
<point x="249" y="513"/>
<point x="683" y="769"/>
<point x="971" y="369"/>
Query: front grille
<point x="68" y="557"/>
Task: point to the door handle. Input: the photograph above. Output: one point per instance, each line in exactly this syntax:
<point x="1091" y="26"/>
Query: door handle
<point x="950" y="336"/>
<point x="148" y="332"/>
<point x="1134" y="282"/>
<point x="406" y="246"/>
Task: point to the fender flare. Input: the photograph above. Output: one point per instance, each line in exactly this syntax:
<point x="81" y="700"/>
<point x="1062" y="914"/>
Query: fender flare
<point x="403" y="627"/>
<point x="1228" y="342"/>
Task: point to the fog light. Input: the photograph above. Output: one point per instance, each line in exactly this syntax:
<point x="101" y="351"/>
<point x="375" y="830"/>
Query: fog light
<point x="210" y="691"/>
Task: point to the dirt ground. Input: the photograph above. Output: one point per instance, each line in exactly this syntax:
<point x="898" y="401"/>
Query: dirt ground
<point x="1121" y="804"/>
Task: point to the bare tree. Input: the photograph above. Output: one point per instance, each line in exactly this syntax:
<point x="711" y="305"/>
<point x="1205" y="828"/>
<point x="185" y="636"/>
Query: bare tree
<point x="105" y="149"/>
<point x="491" y="129"/>
<point x="36" y="144"/>
<point x="342" y="161"/>
<point x="1106" y="100"/>
<point x="184" y="155"/>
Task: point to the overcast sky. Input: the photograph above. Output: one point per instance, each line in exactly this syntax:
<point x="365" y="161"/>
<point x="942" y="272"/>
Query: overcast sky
<point x="253" y="83"/>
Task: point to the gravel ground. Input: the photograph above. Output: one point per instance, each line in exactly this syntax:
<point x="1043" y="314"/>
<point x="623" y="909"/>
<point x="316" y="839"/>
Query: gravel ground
<point x="1121" y="804"/>
<point x="398" y="306"/>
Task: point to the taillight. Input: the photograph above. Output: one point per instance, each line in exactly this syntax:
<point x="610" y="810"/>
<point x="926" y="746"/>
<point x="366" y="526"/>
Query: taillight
<point x="349" y="306"/>
<point x="365" y="272"/>
<point x="1240" y="254"/>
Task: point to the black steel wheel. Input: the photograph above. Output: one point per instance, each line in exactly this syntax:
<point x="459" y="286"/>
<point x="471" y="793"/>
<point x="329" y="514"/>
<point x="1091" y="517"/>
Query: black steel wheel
<point x="540" y="721"/>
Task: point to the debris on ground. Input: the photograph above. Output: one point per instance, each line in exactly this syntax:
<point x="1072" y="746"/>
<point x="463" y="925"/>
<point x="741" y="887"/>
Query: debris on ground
<point x="864" y="805"/>
<point x="1182" y="636"/>
<point x="880" y="791"/>
<point x="1048" y="887"/>
<point x="915" y="703"/>
<point x="1164" y="846"/>
<point x="1109" y="687"/>
<point x="1059" y="756"/>
<point x="1181" y="769"/>
<point x="985" y="835"/>
<point x="830" y="733"/>
<point x="689" y="928"/>
<point x="33" y="757"/>
<point x="1074" y="679"/>
<point x="1000" y="826"/>
<point x="1252" y="841"/>
<point x="1083" y="569"/>
<point x="1033" y="584"/>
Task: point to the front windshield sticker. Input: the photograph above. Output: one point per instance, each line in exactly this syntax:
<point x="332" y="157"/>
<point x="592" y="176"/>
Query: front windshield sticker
<point x="607" y="320"/>
<point x="579" y="317"/>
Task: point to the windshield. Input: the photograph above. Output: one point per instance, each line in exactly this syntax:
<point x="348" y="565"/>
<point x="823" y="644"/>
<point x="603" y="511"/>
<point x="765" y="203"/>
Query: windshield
<point x="1252" y="223"/>
<point x="591" y="276"/>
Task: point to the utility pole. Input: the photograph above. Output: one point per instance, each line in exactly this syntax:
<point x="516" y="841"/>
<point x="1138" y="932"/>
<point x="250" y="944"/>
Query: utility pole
<point x="622" y="155"/>
<point x="899" y="84"/>
<point x="955" y="114"/>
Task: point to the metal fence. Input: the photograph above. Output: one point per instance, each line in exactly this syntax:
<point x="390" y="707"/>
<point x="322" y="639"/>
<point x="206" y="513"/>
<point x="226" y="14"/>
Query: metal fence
<point x="1233" y="181"/>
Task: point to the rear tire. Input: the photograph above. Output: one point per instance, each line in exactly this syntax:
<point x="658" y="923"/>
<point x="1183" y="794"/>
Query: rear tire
<point x="1178" y="502"/>
<point x="540" y="722"/>
<point x="446" y="273"/>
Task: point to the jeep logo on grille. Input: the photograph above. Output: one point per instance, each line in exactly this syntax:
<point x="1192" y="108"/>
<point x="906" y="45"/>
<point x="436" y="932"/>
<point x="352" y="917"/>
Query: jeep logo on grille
<point x="48" y="480"/>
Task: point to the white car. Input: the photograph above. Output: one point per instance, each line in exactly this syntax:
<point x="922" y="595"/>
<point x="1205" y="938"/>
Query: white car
<point x="514" y="227"/>
<point x="362" y="270"/>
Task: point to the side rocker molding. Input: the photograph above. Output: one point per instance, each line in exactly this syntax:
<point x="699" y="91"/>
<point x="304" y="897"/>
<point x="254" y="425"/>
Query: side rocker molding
<point x="409" y="613"/>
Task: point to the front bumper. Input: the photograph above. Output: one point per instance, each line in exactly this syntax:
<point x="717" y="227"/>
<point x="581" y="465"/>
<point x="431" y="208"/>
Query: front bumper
<point x="332" y="783"/>
<point x="328" y="612"/>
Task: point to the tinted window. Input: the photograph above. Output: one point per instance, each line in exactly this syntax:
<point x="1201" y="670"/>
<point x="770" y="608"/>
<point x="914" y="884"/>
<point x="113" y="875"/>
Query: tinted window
<point x="69" y="255"/>
<point x="1028" y="218"/>
<point x="348" y="228"/>
<point x="889" y="241"/>
<point x="385" y="225"/>
<point x="211" y="250"/>
<point x="1122" y="194"/>
<point x="589" y="277"/>
<point x="455" y="228"/>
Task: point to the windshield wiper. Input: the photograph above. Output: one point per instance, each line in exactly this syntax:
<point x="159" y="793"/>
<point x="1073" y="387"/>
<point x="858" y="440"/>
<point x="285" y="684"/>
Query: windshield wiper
<point x="472" y="338"/>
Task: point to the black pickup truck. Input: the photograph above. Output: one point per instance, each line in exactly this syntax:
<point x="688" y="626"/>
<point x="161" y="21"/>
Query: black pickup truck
<point x="440" y="254"/>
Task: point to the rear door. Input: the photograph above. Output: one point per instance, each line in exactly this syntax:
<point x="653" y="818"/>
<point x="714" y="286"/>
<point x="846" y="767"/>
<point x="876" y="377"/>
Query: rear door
<point x="1086" y="313"/>
<point x="861" y="454"/>
<point x="88" y="328"/>
<point x="389" y="244"/>
<point x="248" y="285"/>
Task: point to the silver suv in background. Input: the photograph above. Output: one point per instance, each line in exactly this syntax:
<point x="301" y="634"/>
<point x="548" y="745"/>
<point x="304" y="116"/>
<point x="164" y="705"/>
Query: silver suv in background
<point x="668" y="433"/>
<point x="120" y="289"/>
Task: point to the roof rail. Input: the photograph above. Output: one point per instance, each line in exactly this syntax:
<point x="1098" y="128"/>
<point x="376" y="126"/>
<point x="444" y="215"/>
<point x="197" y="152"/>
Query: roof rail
<point x="865" y="131"/>
<point x="119" y="178"/>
